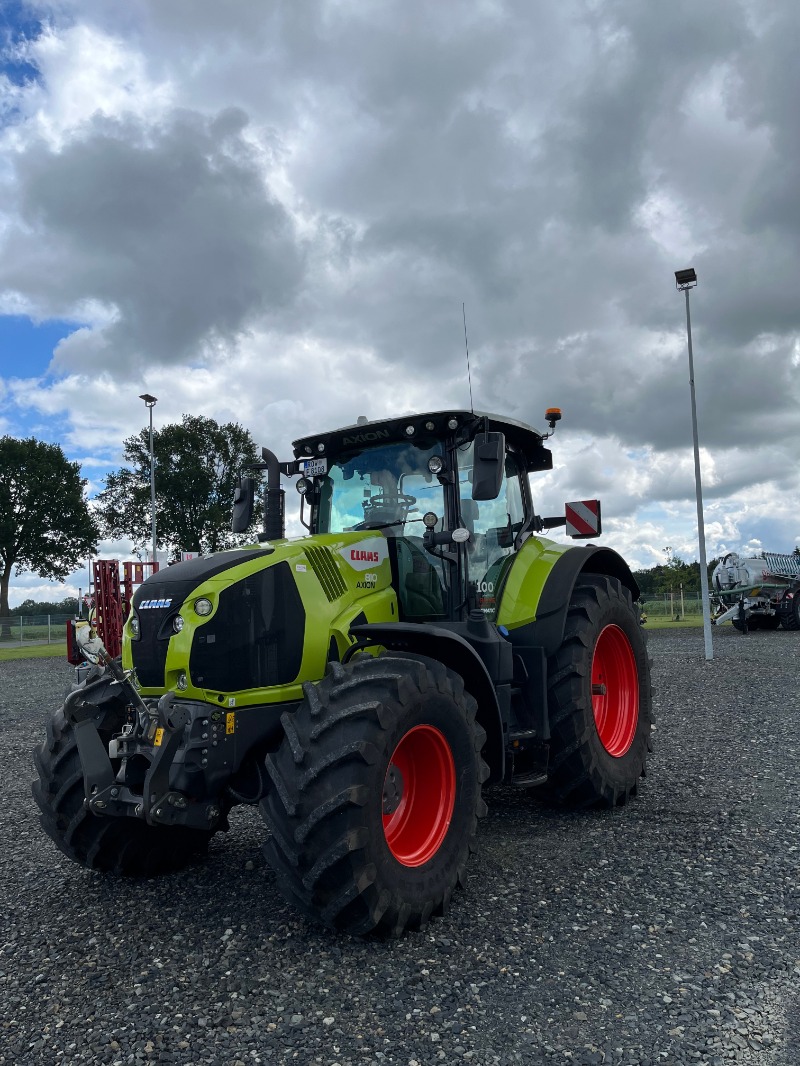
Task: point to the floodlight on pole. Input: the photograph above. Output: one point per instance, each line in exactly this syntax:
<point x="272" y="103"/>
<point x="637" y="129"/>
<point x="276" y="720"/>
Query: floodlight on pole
<point x="685" y="280"/>
<point x="150" y="402"/>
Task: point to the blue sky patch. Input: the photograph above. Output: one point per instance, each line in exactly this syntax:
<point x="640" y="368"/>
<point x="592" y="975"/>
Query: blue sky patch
<point x="27" y="348"/>
<point x="17" y="24"/>
<point x="25" y="352"/>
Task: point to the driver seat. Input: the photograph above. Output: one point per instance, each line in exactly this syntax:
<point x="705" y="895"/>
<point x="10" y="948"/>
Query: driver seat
<point x="419" y="588"/>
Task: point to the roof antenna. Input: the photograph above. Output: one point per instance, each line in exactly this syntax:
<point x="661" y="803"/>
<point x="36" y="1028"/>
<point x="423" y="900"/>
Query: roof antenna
<point x="469" y="376"/>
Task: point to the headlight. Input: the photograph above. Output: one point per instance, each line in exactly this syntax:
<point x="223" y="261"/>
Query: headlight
<point x="436" y="464"/>
<point x="203" y="606"/>
<point x="177" y="624"/>
<point x="134" y="626"/>
<point x="303" y="485"/>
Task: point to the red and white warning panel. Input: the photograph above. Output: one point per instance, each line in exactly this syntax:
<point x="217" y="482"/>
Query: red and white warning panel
<point x="583" y="519"/>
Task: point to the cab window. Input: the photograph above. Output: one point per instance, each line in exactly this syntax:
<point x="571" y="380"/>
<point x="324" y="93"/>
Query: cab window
<point x="389" y="489"/>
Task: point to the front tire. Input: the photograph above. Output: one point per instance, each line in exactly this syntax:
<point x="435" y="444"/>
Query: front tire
<point x="376" y="794"/>
<point x="599" y="699"/>
<point x="125" y="846"/>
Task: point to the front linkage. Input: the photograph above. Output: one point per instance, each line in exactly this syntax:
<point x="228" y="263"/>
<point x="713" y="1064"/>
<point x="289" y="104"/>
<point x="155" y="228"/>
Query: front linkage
<point x="146" y="747"/>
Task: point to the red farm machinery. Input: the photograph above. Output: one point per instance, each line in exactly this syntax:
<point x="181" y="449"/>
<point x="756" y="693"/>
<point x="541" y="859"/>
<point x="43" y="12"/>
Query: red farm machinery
<point x="112" y="587"/>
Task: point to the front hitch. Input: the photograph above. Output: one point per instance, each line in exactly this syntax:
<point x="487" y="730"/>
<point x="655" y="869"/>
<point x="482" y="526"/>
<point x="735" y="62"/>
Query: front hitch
<point x="160" y="805"/>
<point x="158" y="737"/>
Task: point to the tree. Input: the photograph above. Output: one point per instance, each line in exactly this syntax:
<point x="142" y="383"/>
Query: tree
<point x="45" y="522"/>
<point x="198" y="464"/>
<point x="668" y="577"/>
<point x="69" y="605"/>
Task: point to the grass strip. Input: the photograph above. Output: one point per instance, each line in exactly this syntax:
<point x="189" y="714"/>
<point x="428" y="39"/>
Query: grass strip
<point x="34" y="651"/>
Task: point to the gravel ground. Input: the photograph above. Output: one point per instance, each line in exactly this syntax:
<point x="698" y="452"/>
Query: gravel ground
<point x="666" y="932"/>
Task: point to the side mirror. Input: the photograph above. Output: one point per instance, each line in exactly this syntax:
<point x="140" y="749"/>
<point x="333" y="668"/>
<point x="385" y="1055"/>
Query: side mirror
<point x="489" y="466"/>
<point x="243" y="500"/>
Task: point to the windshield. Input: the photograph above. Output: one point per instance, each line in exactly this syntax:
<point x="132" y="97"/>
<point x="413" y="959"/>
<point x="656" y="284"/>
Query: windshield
<point x="388" y="488"/>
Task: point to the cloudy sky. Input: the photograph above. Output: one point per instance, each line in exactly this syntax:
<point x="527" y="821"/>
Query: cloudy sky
<point x="271" y="211"/>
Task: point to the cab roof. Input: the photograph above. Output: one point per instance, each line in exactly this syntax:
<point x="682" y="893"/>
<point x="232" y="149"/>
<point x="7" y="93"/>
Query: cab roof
<point x="428" y="425"/>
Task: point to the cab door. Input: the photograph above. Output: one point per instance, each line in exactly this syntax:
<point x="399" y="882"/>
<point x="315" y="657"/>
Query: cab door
<point x="493" y="526"/>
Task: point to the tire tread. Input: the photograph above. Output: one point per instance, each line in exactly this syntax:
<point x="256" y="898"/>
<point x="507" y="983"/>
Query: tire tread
<point x="315" y="812"/>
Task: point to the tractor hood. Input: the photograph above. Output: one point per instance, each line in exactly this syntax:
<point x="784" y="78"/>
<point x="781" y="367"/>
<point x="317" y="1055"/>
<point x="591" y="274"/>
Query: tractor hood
<point x="236" y="621"/>
<point x="177" y="581"/>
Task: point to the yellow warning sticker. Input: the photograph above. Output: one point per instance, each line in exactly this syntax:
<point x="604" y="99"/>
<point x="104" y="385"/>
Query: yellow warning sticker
<point x="158" y="737"/>
<point x="230" y="721"/>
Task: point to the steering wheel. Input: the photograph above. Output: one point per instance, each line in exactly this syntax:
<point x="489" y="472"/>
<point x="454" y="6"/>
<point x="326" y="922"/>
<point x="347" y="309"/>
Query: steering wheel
<point x="386" y="510"/>
<point x="394" y="500"/>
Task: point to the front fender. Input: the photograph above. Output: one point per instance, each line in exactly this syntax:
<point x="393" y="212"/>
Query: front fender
<point x="458" y="655"/>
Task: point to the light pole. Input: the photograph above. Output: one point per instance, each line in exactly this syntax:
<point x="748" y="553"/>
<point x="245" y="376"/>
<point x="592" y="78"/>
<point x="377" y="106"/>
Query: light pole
<point x="685" y="280"/>
<point x="150" y="402"/>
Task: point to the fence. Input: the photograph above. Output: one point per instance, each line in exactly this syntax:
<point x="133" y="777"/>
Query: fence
<point x="50" y="628"/>
<point x="672" y="606"/>
<point x="34" y="629"/>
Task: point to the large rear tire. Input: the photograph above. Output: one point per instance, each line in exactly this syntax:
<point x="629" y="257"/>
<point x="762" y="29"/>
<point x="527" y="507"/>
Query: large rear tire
<point x="599" y="699"/>
<point x="124" y="846"/>
<point x="791" y="620"/>
<point x="376" y="794"/>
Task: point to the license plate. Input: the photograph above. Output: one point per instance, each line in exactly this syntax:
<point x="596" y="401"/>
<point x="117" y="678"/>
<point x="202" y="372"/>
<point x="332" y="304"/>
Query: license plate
<point x="315" y="467"/>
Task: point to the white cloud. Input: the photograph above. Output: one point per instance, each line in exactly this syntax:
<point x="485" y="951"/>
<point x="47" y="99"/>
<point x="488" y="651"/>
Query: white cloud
<point x="85" y="73"/>
<point x="273" y="215"/>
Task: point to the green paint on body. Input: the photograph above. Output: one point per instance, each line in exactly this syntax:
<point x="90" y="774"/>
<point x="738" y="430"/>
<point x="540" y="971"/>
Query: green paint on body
<point x="338" y="576"/>
<point x="526" y="579"/>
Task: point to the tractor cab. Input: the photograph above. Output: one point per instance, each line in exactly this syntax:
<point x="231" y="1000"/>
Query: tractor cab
<point x="448" y="490"/>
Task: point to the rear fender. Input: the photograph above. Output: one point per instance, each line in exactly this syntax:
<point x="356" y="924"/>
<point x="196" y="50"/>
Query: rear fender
<point x="542" y="621"/>
<point x="457" y="655"/>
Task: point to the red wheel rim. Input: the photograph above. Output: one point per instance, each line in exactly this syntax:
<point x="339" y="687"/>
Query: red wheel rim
<point x="419" y="795"/>
<point x="615" y="691"/>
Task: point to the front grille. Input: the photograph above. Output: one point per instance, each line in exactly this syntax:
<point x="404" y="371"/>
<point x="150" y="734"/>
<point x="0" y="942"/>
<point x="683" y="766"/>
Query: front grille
<point x="149" y="653"/>
<point x="324" y="566"/>
<point x="167" y="589"/>
<point x="255" y="638"/>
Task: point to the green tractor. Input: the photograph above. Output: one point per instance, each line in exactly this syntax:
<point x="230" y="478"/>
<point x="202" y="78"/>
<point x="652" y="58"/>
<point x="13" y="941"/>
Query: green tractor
<point x="363" y="683"/>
